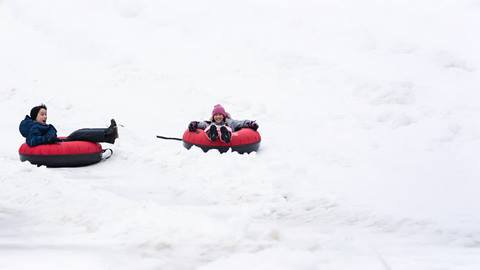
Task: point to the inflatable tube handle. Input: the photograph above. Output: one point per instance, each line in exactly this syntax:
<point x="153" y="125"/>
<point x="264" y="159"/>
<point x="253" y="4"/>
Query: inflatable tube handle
<point x="105" y="150"/>
<point x="169" y="138"/>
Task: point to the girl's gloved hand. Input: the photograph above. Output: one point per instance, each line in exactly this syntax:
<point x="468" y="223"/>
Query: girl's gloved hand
<point x="193" y="126"/>
<point x="252" y="124"/>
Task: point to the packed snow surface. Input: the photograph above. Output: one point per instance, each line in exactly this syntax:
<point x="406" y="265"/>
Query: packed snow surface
<point x="368" y="110"/>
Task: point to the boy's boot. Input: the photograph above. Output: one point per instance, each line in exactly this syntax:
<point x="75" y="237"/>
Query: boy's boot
<point x="111" y="133"/>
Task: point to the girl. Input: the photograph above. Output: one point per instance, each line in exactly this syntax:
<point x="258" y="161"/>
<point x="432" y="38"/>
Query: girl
<point x="36" y="130"/>
<point x="221" y="123"/>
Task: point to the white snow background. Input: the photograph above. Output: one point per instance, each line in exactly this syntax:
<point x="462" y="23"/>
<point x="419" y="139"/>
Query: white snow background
<point x="369" y="113"/>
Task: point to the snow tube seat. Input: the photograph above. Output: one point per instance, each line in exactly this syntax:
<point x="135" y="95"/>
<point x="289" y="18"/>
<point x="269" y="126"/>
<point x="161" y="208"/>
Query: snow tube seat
<point x="62" y="154"/>
<point x="243" y="141"/>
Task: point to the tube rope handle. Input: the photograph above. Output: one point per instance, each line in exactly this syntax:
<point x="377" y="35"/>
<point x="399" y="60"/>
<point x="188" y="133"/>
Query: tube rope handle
<point x="169" y="138"/>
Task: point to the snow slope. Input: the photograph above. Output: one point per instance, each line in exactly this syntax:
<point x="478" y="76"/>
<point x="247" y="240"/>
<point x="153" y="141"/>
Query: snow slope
<point x="368" y="112"/>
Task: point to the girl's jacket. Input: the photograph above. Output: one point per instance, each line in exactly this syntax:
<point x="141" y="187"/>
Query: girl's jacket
<point x="37" y="133"/>
<point x="233" y="124"/>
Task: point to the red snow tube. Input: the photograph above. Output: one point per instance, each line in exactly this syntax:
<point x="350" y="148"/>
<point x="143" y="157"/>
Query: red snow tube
<point x="243" y="141"/>
<point x="63" y="154"/>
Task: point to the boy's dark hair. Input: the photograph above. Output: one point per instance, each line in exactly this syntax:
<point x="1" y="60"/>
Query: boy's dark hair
<point x="34" y="111"/>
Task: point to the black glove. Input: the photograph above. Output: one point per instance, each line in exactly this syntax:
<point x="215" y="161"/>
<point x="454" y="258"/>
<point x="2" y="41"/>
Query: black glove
<point x="252" y="124"/>
<point x="193" y="126"/>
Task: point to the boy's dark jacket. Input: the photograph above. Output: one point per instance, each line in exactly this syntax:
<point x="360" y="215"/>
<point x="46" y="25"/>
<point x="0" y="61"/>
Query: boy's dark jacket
<point x="37" y="133"/>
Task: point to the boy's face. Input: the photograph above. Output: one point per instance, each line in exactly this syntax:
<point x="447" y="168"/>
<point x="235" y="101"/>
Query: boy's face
<point x="218" y="118"/>
<point x="42" y="116"/>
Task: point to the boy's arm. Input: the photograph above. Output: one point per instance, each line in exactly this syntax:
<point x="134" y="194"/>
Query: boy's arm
<point x="36" y="138"/>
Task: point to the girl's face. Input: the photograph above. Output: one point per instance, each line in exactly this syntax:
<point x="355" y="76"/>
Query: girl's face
<point x="42" y="116"/>
<point x="218" y="118"/>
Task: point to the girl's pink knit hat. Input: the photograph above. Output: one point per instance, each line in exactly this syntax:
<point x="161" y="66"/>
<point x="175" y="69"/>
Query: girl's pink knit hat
<point x="218" y="109"/>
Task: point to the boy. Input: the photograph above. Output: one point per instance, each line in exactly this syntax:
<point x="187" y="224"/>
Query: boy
<point x="37" y="132"/>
